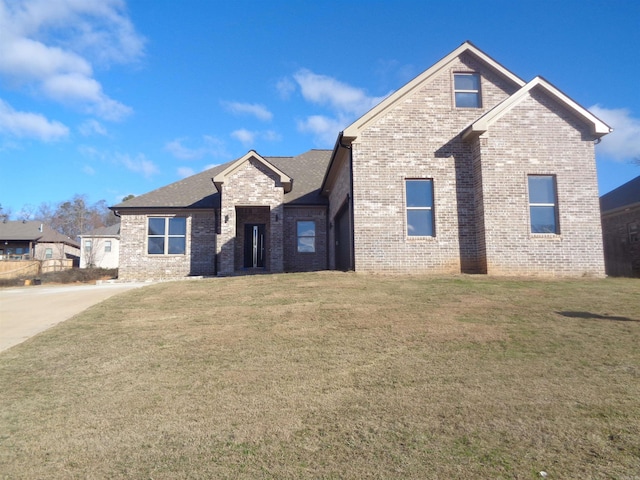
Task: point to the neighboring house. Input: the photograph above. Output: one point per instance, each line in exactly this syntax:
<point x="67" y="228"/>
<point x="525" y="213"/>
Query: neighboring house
<point x="621" y="229"/>
<point x="467" y="168"/>
<point x="100" y="247"/>
<point x="21" y="240"/>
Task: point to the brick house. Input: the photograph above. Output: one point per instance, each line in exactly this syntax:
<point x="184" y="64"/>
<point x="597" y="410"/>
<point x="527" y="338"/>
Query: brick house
<point x="621" y="229"/>
<point x="467" y="168"/>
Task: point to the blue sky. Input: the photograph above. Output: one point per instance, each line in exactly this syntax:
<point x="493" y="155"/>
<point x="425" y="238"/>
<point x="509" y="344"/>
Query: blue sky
<point x="111" y="97"/>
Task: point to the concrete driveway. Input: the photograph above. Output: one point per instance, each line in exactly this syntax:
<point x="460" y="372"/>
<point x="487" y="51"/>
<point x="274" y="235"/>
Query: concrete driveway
<point x="26" y="311"/>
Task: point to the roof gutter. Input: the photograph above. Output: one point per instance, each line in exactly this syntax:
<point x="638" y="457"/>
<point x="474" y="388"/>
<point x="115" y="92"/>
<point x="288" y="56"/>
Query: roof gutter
<point x="338" y="145"/>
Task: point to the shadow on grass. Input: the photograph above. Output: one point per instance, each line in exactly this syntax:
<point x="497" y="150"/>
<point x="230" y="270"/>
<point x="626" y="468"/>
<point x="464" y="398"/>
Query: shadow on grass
<point x="588" y="315"/>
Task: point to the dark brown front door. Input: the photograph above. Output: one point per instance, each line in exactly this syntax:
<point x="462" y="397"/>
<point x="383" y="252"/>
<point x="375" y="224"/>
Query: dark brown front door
<point x="254" y="245"/>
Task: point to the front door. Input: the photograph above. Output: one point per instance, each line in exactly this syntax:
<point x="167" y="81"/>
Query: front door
<point x="253" y="245"/>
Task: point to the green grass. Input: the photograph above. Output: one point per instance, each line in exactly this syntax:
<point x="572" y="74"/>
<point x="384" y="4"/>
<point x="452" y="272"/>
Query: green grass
<point x="333" y="375"/>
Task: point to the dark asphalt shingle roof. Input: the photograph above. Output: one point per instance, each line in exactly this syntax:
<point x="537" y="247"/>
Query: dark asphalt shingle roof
<point x="32" y="232"/>
<point x="626" y="194"/>
<point x="198" y="191"/>
<point x="110" y="231"/>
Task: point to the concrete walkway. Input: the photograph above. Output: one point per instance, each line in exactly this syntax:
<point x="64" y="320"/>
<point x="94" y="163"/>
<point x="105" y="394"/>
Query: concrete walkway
<point x="27" y="311"/>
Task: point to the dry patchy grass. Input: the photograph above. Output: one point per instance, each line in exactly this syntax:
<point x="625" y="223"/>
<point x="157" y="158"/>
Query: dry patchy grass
<point x="332" y="375"/>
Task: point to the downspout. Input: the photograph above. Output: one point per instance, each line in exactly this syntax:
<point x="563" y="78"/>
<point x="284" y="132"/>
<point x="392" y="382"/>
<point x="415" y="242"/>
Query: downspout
<point x="353" y="233"/>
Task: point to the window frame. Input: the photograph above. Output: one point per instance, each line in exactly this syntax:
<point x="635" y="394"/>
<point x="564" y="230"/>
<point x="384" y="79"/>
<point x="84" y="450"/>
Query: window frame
<point x="539" y="205"/>
<point x="300" y="237"/>
<point x="477" y="92"/>
<point x="166" y="235"/>
<point x="48" y="253"/>
<point x="107" y="246"/>
<point x="429" y="207"/>
<point x="88" y="245"/>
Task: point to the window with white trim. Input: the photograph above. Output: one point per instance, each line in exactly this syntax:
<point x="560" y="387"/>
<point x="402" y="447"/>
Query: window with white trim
<point x="107" y="246"/>
<point x="87" y="245"/>
<point x="419" y="201"/>
<point x="466" y="88"/>
<point x="543" y="207"/>
<point x="48" y="253"/>
<point x="167" y="236"/>
<point x="306" y="233"/>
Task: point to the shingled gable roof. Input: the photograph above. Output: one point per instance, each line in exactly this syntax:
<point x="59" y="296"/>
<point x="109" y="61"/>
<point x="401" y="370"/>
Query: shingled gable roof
<point x="199" y="192"/>
<point x="352" y="131"/>
<point x="481" y="125"/>
<point x="625" y="196"/>
<point x="110" y="231"/>
<point x="32" y="232"/>
<point x="220" y="178"/>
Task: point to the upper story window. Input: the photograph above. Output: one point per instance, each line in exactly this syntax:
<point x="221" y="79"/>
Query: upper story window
<point x="87" y="245"/>
<point x="167" y="236"/>
<point x="48" y="253"/>
<point x="419" y="195"/>
<point x="467" y="90"/>
<point x="306" y="236"/>
<point x="107" y="246"/>
<point x="543" y="209"/>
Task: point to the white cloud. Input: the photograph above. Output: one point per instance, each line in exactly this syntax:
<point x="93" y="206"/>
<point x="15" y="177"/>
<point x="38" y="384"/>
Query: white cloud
<point x="210" y="146"/>
<point x="89" y="170"/>
<point x="324" y="129"/>
<point x="92" y="127"/>
<point x="185" y="172"/>
<point x="50" y="47"/>
<point x="285" y="88"/>
<point x="624" y="142"/>
<point x="29" y="125"/>
<point x="244" y="136"/>
<point x="345" y="102"/>
<point x="325" y="90"/>
<point x="137" y="164"/>
<point x="259" y="111"/>
<point x="248" y="137"/>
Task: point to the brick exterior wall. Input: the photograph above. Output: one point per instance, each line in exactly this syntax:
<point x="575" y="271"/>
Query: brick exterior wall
<point x="338" y="198"/>
<point x="621" y="249"/>
<point x="251" y="185"/>
<point x="199" y="259"/>
<point x="295" y="261"/>
<point x="481" y="206"/>
<point x="419" y="138"/>
<point x="538" y="136"/>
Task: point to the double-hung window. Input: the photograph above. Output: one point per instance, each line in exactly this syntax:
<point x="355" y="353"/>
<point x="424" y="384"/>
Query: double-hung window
<point x="107" y="246"/>
<point x="87" y="245"/>
<point x="306" y="232"/>
<point x="166" y="236"/>
<point x="466" y="88"/>
<point x="543" y="207"/>
<point x="419" y="197"/>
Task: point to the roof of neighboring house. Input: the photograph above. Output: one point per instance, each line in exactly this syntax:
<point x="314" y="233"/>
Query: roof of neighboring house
<point x="110" y="231"/>
<point x="198" y="191"/>
<point x="623" y="196"/>
<point x="32" y="232"/>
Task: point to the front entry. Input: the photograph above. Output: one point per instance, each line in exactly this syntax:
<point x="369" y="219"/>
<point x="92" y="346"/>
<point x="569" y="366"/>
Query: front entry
<point x="254" y="250"/>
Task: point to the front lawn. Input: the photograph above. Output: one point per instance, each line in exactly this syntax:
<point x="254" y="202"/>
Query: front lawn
<point x="332" y="375"/>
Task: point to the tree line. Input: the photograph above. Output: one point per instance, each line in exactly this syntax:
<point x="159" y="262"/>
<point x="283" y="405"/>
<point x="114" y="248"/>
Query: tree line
<point x="71" y="217"/>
